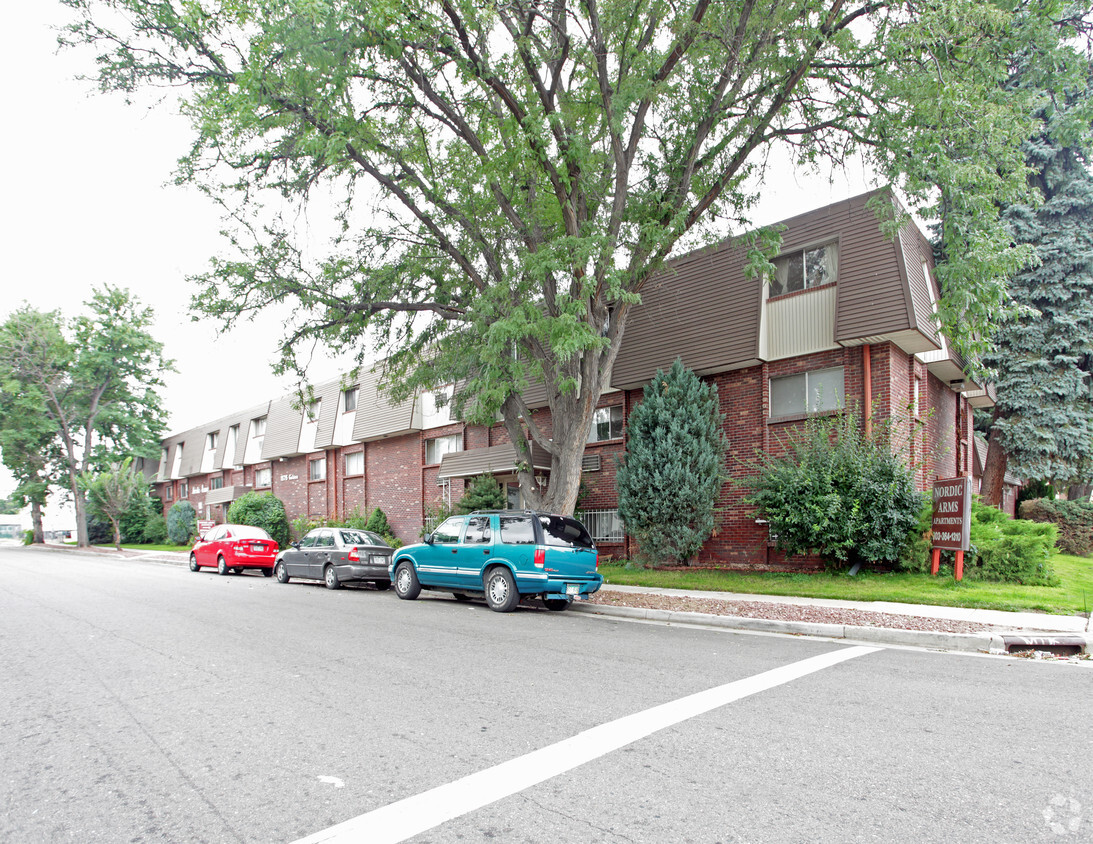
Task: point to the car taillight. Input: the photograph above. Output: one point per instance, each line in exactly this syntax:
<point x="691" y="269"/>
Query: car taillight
<point x="354" y="557"/>
<point x="597" y="560"/>
<point x="540" y="557"/>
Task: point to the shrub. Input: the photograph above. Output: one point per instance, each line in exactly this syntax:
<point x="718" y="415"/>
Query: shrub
<point x="28" y="537"/>
<point x="482" y="493"/>
<point x="1074" y="519"/>
<point x="838" y="493"/>
<point x="181" y="523"/>
<point x="377" y="523"/>
<point x="264" y="510"/>
<point x="670" y="478"/>
<point x="1009" y="550"/>
<point x="155" y="530"/>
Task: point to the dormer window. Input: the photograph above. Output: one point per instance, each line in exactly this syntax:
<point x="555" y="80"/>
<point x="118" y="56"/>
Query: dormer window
<point x="805" y="269"/>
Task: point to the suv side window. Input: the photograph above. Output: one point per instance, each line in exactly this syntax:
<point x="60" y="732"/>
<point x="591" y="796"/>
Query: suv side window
<point x="565" y="533"/>
<point x="449" y="530"/>
<point x="478" y="530"/>
<point x="517" y="530"/>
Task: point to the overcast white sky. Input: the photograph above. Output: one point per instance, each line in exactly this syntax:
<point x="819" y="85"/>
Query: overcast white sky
<point x="87" y="201"/>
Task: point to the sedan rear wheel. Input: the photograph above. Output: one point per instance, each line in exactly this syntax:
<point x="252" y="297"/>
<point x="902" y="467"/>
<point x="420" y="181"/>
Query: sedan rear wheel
<point x="501" y="592"/>
<point x="331" y="578"/>
<point x="281" y="572"/>
<point x="193" y="563"/>
<point x="407" y="585"/>
<point x="267" y="572"/>
<point x="221" y="565"/>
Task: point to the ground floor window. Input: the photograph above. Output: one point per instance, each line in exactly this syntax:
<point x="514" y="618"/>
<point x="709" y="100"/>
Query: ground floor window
<point x="354" y="463"/>
<point x="807" y="392"/>
<point x="316" y="469"/>
<point x="263" y="477"/>
<point x="604" y="525"/>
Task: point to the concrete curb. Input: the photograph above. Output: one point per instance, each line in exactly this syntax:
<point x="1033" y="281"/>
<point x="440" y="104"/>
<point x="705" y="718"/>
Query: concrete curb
<point x="973" y="642"/>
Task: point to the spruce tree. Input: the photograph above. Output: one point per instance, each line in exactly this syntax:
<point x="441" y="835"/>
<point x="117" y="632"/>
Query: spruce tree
<point x="482" y="493"/>
<point x="671" y="475"/>
<point x="1043" y="353"/>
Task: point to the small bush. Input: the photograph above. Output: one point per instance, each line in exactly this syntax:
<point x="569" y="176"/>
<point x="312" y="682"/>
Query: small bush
<point x="155" y="530"/>
<point x="482" y="493"/>
<point x="838" y="493"/>
<point x="264" y="510"/>
<point x="1009" y="550"/>
<point x="377" y="523"/>
<point x="28" y="537"/>
<point x="181" y="523"/>
<point x="1074" y="519"/>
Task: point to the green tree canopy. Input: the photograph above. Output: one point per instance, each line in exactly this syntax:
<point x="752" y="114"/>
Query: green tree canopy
<point x="506" y="178"/>
<point x="95" y="380"/>
<point x="670" y="478"/>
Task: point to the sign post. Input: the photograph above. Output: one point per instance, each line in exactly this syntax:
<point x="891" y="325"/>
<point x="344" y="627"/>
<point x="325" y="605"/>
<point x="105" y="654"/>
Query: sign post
<point x="950" y="529"/>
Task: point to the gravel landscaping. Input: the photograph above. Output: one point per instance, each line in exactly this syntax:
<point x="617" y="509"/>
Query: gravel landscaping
<point x="787" y="612"/>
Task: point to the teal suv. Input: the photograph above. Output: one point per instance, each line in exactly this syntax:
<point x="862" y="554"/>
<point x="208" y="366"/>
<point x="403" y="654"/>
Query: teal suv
<point x="504" y="555"/>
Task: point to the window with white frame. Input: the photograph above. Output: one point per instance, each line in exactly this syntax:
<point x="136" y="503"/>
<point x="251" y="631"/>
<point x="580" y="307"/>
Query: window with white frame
<point x="168" y="493"/>
<point x="316" y="469"/>
<point x="184" y="489"/>
<point x="313" y="409"/>
<point x="351" y="396"/>
<point x="228" y="457"/>
<point x="176" y="467"/>
<point x="805" y="268"/>
<point x="606" y="424"/>
<point x="437" y="447"/>
<point x="216" y="483"/>
<point x="263" y="477"/>
<point x="807" y="392"/>
<point x="354" y="463"/>
<point x="213" y="438"/>
<point x="436" y="407"/>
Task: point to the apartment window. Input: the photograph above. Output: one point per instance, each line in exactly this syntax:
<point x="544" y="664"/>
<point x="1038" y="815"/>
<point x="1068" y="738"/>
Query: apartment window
<point x="437" y="447"/>
<point x="313" y="409"/>
<point x="230" y="446"/>
<point x="257" y="433"/>
<point x="216" y="483"/>
<point x="351" y="399"/>
<point x="168" y="493"/>
<point x="263" y="477"/>
<point x="316" y="469"/>
<point x="184" y="489"/>
<point x="805" y="269"/>
<point x="354" y="463"/>
<point x="808" y="392"/>
<point x="213" y="438"/>
<point x="915" y="397"/>
<point x="436" y="407"/>
<point x="176" y="467"/>
<point x="606" y="424"/>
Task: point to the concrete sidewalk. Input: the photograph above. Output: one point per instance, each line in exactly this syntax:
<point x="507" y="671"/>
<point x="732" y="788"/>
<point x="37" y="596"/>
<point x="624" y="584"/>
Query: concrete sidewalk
<point x="1011" y="631"/>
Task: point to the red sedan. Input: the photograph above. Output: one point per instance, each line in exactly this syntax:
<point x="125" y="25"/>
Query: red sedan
<point x="234" y="548"/>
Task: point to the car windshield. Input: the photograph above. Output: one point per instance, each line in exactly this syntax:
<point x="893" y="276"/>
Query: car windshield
<point x="361" y="537"/>
<point x="248" y="532"/>
<point x="565" y="532"/>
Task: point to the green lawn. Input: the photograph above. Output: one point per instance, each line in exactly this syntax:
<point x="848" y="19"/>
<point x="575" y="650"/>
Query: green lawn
<point x="1074" y="595"/>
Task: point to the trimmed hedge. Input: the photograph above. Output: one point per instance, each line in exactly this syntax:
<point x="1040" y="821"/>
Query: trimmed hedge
<point x="1074" y="519"/>
<point x="264" y="510"/>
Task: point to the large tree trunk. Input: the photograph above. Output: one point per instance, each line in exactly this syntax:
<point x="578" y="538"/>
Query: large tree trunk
<point x="994" y="473"/>
<point x="36" y="522"/>
<point x="1079" y="492"/>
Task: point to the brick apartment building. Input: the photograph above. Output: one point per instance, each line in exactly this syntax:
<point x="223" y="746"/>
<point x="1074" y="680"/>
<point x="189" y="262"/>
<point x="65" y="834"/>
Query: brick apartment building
<point x="848" y="320"/>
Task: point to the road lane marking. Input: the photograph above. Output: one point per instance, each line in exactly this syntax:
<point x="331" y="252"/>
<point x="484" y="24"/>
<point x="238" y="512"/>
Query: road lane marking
<point x="406" y="818"/>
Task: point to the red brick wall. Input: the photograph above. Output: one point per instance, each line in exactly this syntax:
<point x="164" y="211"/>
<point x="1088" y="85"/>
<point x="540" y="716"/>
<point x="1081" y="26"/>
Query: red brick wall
<point x="394" y="484"/>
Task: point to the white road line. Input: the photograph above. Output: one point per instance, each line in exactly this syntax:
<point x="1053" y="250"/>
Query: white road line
<point x="405" y="818"/>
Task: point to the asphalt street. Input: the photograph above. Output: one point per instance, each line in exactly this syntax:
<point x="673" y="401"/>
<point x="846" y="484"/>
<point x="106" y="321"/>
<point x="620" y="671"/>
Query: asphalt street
<point x="143" y="702"/>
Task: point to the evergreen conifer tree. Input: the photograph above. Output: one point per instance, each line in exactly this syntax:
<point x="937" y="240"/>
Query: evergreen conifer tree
<point x="671" y="475"/>
<point x="1043" y="354"/>
<point x="482" y="493"/>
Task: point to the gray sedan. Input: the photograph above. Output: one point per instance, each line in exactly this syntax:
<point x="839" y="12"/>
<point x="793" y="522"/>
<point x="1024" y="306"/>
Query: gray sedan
<point x="336" y="555"/>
